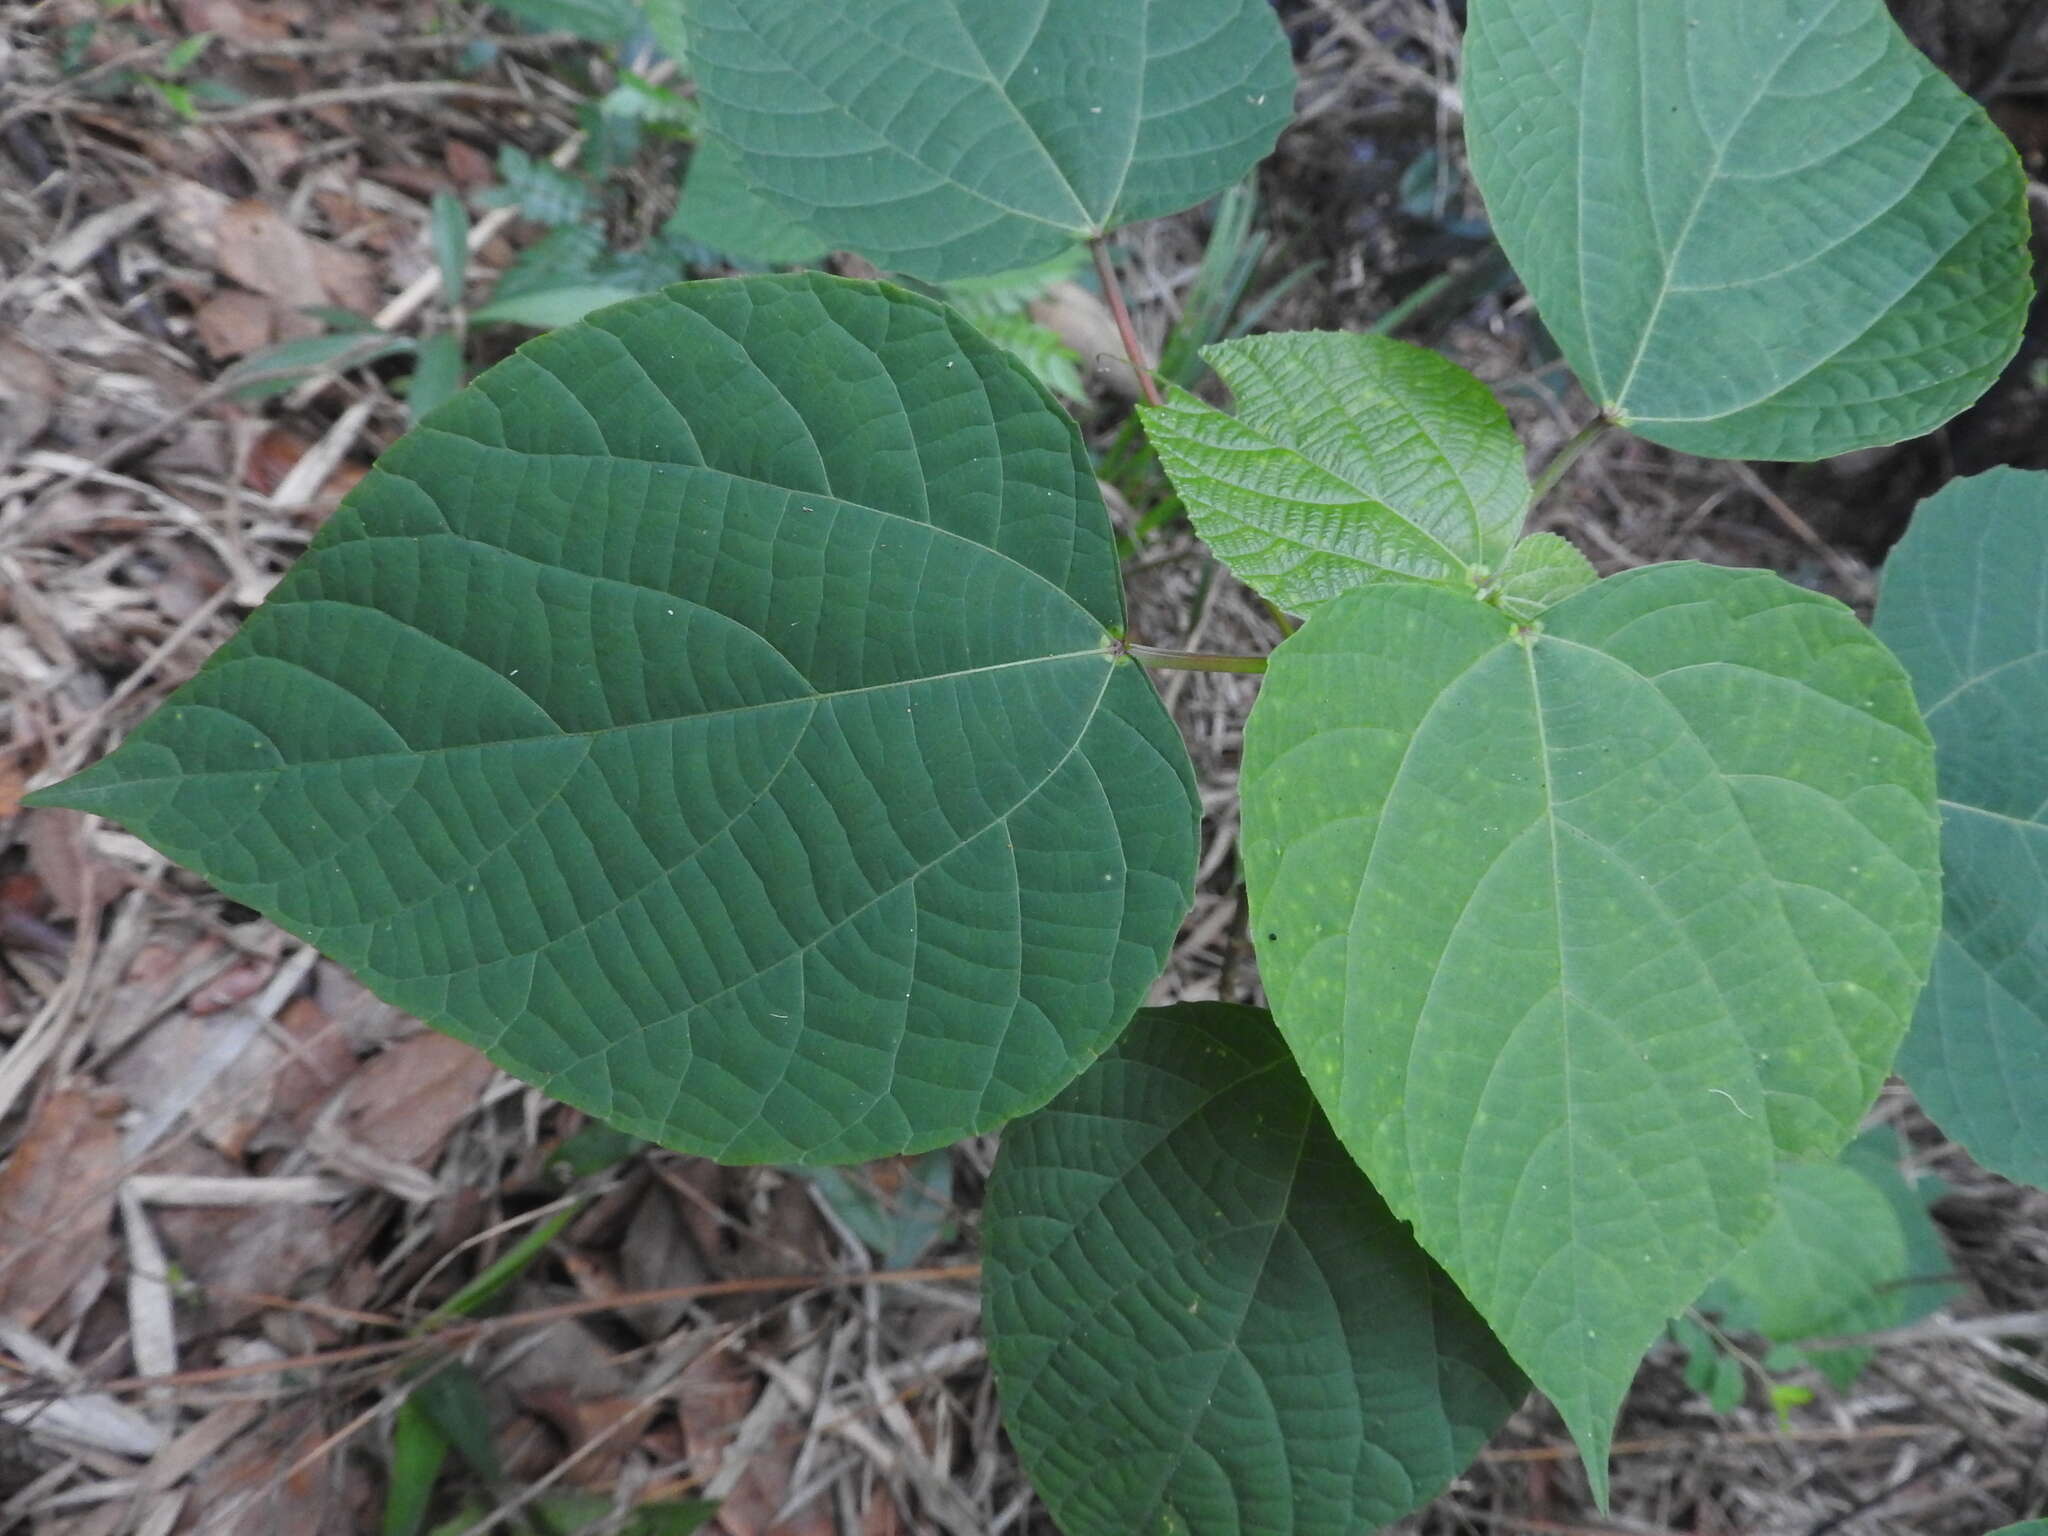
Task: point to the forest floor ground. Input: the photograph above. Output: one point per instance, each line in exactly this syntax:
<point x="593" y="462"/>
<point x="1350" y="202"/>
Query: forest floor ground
<point x="235" y="1184"/>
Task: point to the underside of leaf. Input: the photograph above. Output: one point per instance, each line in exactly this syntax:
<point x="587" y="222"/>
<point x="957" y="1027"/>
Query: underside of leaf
<point x="1577" y="929"/>
<point x="1756" y="229"/>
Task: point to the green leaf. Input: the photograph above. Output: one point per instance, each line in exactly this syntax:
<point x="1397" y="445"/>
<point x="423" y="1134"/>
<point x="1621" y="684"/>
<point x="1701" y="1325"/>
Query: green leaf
<point x="436" y="376"/>
<point x="541" y="191"/>
<point x="1539" y="573"/>
<point x="900" y="1215"/>
<point x="1965" y="594"/>
<point x="712" y="714"/>
<point x="1350" y="459"/>
<point x="2024" y="1528"/>
<point x="721" y="210"/>
<point x="600" y="21"/>
<point x="450" y="228"/>
<point x="1044" y="355"/>
<point x="1577" y="929"/>
<point x="1835" y="1259"/>
<point x="418" y="1452"/>
<point x="452" y="1401"/>
<point x="671" y="32"/>
<point x="1200" y="1315"/>
<point x="959" y="137"/>
<point x="1009" y="293"/>
<point x="1757" y="230"/>
<point x="276" y="369"/>
<point x="548" y="308"/>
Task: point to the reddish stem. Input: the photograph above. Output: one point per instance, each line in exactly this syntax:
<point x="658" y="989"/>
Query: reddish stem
<point x="1119" y="311"/>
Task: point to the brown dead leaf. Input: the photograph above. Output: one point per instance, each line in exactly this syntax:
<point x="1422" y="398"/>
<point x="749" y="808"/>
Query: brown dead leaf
<point x="715" y="1392"/>
<point x="57" y="1200"/>
<point x="1083" y="322"/>
<point x="29" y="391"/>
<point x="318" y="1059"/>
<point x="281" y="1477"/>
<point x="237" y="984"/>
<point x="234" y="323"/>
<point x="261" y="250"/>
<point x="407" y="1100"/>
<point x="13" y="782"/>
<point x="258" y="247"/>
<point x="56" y="852"/>
<point x="604" y="1430"/>
<point x="469" y="166"/>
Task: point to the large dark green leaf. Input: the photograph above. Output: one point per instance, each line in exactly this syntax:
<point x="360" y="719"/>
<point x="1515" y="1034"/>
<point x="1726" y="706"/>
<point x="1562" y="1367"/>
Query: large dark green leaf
<point x="1965" y="605"/>
<point x="1757" y="228"/>
<point x="1576" y="929"/>
<point x="712" y="714"/>
<point x="948" y="137"/>
<point x="1201" y="1316"/>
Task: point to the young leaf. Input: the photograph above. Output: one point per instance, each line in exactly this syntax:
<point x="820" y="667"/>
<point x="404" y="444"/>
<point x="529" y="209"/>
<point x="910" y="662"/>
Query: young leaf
<point x="1576" y="931"/>
<point x="1835" y="1259"/>
<point x="712" y="714"/>
<point x="1964" y="600"/>
<point x="1350" y="459"/>
<point x="964" y="137"/>
<point x="671" y="32"/>
<point x="1539" y="573"/>
<point x="719" y="209"/>
<point x="1757" y="231"/>
<point x="436" y="375"/>
<point x="1201" y="1316"/>
<point x="450" y="229"/>
<point x="546" y="308"/>
<point x="600" y="21"/>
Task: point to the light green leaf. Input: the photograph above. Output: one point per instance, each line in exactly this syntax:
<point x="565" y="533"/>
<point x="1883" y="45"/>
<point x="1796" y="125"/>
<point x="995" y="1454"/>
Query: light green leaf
<point x="449" y="227"/>
<point x="601" y="21"/>
<point x="1008" y="293"/>
<point x="436" y="375"/>
<point x="1201" y="1316"/>
<point x="1757" y="228"/>
<point x="1965" y="604"/>
<point x="1577" y="929"/>
<point x="671" y="32"/>
<point x="1835" y="1259"/>
<point x="1539" y="573"/>
<point x="546" y="308"/>
<point x="540" y="190"/>
<point x="1045" y="357"/>
<point x="719" y="209"/>
<point x="954" y="136"/>
<point x="1350" y="459"/>
<point x="712" y="714"/>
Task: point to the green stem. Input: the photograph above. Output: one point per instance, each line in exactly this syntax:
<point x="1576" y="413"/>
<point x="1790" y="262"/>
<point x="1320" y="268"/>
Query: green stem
<point x="1193" y="661"/>
<point x="1566" y="457"/>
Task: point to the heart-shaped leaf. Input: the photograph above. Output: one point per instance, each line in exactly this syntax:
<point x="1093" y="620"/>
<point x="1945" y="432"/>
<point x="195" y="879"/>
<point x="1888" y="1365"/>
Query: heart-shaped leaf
<point x="711" y="713"/>
<point x="1757" y="229"/>
<point x="965" y="137"/>
<point x="1575" y="930"/>
<point x="1350" y="459"/>
<point x="1201" y="1316"/>
<point x="1965" y="604"/>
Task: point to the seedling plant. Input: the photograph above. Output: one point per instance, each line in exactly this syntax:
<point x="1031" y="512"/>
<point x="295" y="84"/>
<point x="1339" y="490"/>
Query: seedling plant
<point x="724" y="713"/>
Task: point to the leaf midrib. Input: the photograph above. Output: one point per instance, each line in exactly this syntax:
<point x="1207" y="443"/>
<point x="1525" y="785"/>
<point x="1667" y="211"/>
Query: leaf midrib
<point x="806" y="700"/>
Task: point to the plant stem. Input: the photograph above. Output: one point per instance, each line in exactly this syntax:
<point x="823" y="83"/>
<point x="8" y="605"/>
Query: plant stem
<point x="1566" y="457"/>
<point x="1119" y="311"/>
<point x="1193" y="661"/>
